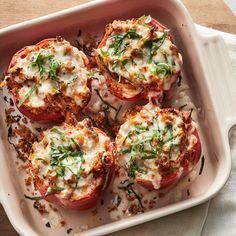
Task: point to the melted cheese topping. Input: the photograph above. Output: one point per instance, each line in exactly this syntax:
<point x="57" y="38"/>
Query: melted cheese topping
<point x="141" y="54"/>
<point x="130" y="198"/>
<point x="154" y="138"/>
<point x="66" y="157"/>
<point x="54" y="67"/>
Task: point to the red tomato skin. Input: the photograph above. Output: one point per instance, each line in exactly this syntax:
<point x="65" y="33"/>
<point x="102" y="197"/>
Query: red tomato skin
<point x="114" y="86"/>
<point x="87" y="201"/>
<point x="44" y="117"/>
<point x="84" y="203"/>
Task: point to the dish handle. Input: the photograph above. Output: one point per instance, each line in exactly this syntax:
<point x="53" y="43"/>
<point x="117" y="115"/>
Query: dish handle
<point x="220" y="78"/>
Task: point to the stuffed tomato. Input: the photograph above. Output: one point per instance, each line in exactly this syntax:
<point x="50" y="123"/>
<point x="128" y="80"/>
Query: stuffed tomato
<point x="48" y="79"/>
<point x="157" y="146"/>
<point x="138" y="59"/>
<point x="72" y="164"/>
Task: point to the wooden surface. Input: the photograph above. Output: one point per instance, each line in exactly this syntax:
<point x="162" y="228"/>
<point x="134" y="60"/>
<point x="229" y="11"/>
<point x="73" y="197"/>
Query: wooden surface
<point x="211" y="13"/>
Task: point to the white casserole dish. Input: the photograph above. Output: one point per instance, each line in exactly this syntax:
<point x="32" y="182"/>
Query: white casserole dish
<point x="208" y="73"/>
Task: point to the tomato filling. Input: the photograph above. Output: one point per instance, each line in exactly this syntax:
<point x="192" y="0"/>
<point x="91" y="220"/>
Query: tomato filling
<point x="72" y="164"/>
<point x="138" y="58"/>
<point x="158" y="146"/>
<point x="49" y="79"/>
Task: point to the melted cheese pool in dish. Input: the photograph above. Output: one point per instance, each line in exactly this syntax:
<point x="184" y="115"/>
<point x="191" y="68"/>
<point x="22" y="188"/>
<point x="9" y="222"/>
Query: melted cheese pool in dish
<point x="140" y="53"/>
<point x="72" y="164"/>
<point x="158" y="146"/>
<point x="50" y="76"/>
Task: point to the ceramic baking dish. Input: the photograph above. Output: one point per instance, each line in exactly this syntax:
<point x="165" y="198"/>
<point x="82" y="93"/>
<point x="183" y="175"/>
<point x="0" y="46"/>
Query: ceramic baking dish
<point x="206" y="69"/>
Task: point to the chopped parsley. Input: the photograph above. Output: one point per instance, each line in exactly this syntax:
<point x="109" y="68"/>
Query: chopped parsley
<point x="28" y="94"/>
<point x="162" y="69"/>
<point x="92" y="72"/>
<point x="59" y="153"/>
<point x="143" y="144"/>
<point x="154" y="45"/>
<point x="57" y="131"/>
<point x="202" y="165"/>
<point x="105" y="102"/>
<point x="145" y="21"/>
<point x="182" y="107"/>
<point x="40" y="61"/>
<point x="124" y="62"/>
<point x="105" y="53"/>
<point x="53" y="70"/>
<point x="141" y="76"/>
<point x="118" y="41"/>
<point x="45" y="64"/>
<point x="108" y="124"/>
<point x="133" y="167"/>
<point x="34" y="198"/>
<point x="130" y="190"/>
<point x="118" y="201"/>
<point x="106" y="180"/>
<point x="148" y="19"/>
<point x="57" y="188"/>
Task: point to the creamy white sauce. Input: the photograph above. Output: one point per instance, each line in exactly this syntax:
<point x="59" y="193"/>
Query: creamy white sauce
<point x="149" y="199"/>
<point x="96" y="105"/>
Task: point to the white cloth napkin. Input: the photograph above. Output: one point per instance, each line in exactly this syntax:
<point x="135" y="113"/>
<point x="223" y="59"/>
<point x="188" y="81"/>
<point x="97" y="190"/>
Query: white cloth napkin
<point x="216" y="217"/>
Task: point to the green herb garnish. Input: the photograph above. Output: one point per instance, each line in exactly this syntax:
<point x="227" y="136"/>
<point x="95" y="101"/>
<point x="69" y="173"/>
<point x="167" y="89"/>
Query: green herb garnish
<point x="133" y="167"/>
<point x="179" y="81"/>
<point x="118" y="201"/>
<point x="57" y="188"/>
<point x="105" y="53"/>
<point x="59" y="153"/>
<point x="90" y="118"/>
<point x="143" y="147"/>
<point x="34" y="198"/>
<point x="51" y="69"/>
<point x="93" y="72"/>
<point x="202" y="165"/>
<point x="40" y="61"/>
<point x="182" y="107"/>
<point x="141" y="76"/>
<point x="46" y="65"/>
<point x="145" y="20"/>
<point x="108" y="124"/>
<point x="124" y="62"/>
<point x="162" y="69"/>
<point x="155" y="45"/>
<point x="118" y="40"/>
<point x="148" y="19"/>
<point x="107" y="174"/>
<point x="117" y="113"/>
<point x="28" y="94"/>
<point x="129" y="189"/>
<point x="57" y="131"/>
<point x="105" y="102"/>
